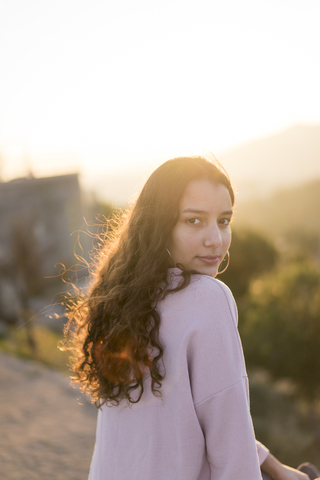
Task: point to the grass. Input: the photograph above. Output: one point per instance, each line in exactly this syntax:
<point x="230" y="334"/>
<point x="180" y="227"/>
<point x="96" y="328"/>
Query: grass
<point x="46" y="351"/>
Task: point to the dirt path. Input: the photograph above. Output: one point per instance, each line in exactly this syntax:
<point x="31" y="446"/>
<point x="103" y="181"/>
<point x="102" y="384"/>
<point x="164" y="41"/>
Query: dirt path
<point x="45" y="433"/>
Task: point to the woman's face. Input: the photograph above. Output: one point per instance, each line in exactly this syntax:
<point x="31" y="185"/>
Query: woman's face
<point x="201" y="237"/>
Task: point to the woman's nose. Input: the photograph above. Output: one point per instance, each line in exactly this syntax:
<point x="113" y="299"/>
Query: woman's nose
<point x="213" y="237"/>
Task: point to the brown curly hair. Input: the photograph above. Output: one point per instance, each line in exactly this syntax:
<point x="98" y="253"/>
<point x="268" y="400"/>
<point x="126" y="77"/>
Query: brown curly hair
<point x="114" y="329"/>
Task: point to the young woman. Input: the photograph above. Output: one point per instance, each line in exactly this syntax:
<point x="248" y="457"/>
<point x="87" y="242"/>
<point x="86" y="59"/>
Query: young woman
<point x="157" y="344"/>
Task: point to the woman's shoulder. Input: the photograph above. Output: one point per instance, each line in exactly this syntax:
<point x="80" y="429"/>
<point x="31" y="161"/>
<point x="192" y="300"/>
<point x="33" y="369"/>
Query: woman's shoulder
<point x="210" y="284"/>
<point x="203" y="289"/>
<point x="203" y="305"/>
<point x="212" y="291"/>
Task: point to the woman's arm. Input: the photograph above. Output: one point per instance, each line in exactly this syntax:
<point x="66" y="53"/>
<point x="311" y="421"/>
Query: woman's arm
<point x="219" y="383"/>
<point x="277" y="471"/>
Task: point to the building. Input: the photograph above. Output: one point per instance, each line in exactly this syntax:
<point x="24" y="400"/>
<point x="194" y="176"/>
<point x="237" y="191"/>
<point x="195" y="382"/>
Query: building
<point x="39" y="222"/>
<point x="49" y="209"/>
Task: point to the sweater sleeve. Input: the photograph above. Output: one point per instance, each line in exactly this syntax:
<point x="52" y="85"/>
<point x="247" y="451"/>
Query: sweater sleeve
<point x="220" y="389"/>
<point x="262" y="452"/>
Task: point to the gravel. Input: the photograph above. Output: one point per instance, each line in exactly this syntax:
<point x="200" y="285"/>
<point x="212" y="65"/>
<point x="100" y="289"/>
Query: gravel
<point x="47" y="426"/>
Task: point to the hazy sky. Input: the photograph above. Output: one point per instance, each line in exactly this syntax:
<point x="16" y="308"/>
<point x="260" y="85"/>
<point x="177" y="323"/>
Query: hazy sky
<point x="111" y="85"/>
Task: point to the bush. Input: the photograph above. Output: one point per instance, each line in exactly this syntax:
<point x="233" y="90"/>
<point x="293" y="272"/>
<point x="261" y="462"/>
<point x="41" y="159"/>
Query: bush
<point x="281" y="325"/>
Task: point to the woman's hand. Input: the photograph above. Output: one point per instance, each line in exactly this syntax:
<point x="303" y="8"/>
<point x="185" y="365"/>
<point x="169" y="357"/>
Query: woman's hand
<point x="277" y="471"/>
<point x="288" y="473"/>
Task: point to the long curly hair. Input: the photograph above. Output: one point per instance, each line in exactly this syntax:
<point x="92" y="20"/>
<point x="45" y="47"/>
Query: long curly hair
<point x="114" y="329"/>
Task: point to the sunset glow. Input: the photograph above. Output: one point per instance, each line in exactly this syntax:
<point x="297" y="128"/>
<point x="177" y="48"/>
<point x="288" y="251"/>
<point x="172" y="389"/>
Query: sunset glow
<point x="106" y="86"/>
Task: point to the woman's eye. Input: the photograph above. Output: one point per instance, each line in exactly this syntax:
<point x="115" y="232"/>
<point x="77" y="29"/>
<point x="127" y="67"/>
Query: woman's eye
<point x="225" y="221"/>
<point x="193" y="221"/>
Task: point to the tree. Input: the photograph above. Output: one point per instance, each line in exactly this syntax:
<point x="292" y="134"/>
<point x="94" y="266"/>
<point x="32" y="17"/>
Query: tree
<point x="250" y="256"/>
<point x="26" y="271"/>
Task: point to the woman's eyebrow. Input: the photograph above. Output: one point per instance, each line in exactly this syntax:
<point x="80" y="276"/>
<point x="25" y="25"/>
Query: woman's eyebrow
<point x="194" y="210"/>
<point x="228" y="212"/>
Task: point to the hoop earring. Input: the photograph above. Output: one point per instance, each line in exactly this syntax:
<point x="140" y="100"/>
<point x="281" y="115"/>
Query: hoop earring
<point x="222" y="271"/>
<point x="171" y="259"/>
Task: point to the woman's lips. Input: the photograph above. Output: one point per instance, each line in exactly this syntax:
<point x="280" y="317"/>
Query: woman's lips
<point x="211" y="259"/>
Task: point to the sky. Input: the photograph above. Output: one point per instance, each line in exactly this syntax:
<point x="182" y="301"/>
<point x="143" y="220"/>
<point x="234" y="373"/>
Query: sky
<point x="111" y="86"/>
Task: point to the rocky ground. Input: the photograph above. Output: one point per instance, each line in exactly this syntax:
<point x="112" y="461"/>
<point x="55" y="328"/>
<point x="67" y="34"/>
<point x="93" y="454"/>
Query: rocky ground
<point x="47" y="427"/>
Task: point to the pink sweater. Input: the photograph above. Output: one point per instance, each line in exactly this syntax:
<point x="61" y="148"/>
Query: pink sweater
<point x="201" y="428"/>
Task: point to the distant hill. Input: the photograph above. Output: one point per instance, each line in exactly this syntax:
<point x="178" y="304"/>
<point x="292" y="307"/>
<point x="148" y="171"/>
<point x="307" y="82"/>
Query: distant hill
<point x="287" y="158"/>
<point x="292" y="212"/>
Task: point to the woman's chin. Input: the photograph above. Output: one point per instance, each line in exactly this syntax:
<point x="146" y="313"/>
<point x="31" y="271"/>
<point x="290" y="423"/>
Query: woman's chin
<point x="211" y="270"/>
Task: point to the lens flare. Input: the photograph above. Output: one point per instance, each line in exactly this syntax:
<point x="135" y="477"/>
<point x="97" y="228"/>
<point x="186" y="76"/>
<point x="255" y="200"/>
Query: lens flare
<point x="120" y="366"/>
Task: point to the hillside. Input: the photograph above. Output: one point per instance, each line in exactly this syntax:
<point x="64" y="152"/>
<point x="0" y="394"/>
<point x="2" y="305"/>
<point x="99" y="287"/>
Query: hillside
<point x="292" y="211"/>
<point x="287" y="158"/>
